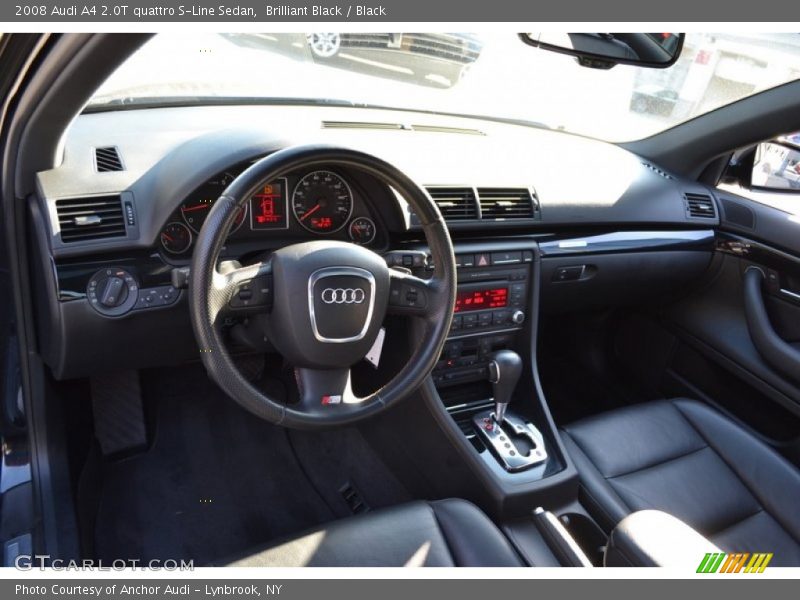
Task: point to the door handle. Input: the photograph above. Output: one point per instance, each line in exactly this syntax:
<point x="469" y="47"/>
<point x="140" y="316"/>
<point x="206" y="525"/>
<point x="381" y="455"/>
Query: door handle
<point x="780" y="355"/>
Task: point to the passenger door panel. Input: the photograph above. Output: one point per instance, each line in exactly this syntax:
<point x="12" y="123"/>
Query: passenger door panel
<point x="746" y="322"/>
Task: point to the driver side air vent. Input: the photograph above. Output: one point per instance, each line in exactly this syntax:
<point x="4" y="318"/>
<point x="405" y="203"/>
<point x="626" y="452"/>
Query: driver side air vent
<point x="699" y="206"/>
<point x="94" y="218"/>
<point x="502" y="204"/>
<point x="107" y="159"/>
<point x="455" y="203"/>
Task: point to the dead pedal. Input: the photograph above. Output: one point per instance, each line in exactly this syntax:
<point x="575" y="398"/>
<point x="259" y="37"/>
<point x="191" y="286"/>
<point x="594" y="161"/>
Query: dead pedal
<point x="118" y="412"/>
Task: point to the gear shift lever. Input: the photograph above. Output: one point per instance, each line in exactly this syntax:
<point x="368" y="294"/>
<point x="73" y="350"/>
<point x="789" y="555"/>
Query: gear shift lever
<point x="505" y="367"/>
<point x="514" y="440"/>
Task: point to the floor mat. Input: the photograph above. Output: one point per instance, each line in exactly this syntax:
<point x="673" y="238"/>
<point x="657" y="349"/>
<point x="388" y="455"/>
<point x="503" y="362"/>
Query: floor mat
<point x="215" y="482"/>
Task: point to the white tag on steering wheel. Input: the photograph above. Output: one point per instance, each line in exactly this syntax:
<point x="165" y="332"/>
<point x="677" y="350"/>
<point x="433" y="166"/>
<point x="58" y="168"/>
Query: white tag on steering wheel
<point x="373" y="357"/>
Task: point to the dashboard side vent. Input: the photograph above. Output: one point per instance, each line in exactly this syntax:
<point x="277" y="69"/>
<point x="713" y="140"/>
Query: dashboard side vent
<point x="508" y="203"/>
<point x="107" y="159"/>
<point x="94" y="218"/>
<point x="455" y="203"/>
<point x="699" y="206"/>
<point x="362" y="125"/>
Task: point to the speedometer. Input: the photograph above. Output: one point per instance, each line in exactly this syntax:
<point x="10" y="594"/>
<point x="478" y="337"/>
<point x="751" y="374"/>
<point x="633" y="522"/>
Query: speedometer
<point x="322" y="202"/>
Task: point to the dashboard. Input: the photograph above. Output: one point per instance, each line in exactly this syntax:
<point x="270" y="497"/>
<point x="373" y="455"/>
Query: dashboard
<point x="528" y="209"/>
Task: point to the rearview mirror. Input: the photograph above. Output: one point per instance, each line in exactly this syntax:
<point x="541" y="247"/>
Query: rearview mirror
<point x="605" y="50"/>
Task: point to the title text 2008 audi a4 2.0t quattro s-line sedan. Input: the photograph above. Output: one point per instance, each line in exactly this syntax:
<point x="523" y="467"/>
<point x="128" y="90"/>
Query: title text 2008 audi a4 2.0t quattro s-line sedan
<point x="421" y="301"/>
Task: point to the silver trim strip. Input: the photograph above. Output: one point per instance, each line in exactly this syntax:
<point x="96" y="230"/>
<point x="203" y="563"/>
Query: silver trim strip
<point x="332" y="272"/>
<point x="793" y="295"/>
<point x="484" y="332"/>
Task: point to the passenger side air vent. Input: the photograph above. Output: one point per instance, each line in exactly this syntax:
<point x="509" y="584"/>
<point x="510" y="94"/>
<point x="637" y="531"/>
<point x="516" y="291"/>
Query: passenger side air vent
<point x="94" y="218"/>
<point x="699" y="206"/>
<point x="502" y="204"/>
<point x="107" y="159"/>
<point x="455" y="203"/>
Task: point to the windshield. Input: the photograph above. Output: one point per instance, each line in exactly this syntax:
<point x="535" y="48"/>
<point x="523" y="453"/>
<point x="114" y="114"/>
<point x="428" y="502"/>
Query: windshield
<point x="491" y="74"/>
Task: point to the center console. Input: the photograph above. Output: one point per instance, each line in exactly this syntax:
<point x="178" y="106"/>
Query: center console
<point x="516" y="452"/>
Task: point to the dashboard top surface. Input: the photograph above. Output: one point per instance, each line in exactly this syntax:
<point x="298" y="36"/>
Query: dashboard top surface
<point x="168" y="153"/>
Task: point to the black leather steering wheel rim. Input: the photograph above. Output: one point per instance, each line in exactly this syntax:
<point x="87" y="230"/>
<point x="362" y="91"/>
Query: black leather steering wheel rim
<point x="210" y="291"/>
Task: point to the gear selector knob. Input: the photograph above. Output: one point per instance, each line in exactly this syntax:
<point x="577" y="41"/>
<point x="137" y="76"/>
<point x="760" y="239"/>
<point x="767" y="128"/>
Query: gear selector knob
<point x="505" y="367"/>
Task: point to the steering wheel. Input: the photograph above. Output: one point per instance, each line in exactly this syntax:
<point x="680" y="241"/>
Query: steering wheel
<point x="328" y="299"/>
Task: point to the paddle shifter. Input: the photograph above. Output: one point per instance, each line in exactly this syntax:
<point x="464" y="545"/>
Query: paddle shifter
<point x="505" y="367"/>
<point x="513" y="439"/>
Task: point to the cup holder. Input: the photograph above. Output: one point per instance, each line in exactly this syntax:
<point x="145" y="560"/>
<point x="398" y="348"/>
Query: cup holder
<point x="587" y="534"/>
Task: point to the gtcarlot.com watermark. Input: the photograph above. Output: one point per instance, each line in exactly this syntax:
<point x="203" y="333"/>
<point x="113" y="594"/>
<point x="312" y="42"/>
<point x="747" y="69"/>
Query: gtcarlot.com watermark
<point x="27" y="562"/>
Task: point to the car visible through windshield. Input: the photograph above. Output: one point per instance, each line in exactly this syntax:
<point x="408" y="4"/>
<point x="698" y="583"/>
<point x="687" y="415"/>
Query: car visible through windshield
<point x="488" y="74"/>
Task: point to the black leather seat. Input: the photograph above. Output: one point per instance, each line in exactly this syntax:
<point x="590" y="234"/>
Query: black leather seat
<point x="445" y="533"/>
<point x="683" y="458"/>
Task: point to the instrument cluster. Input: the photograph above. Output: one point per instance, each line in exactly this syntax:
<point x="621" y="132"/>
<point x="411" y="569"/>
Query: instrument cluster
<point x="319" y="202"/>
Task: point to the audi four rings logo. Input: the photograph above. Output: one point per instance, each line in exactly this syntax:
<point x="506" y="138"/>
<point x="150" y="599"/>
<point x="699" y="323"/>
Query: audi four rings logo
<point x="343" y="295"/>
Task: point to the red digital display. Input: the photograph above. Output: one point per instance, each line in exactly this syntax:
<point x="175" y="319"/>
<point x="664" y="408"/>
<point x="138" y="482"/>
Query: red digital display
<point x="268" y="207"/>
<point x="321" y="223"/>
<point x="481" y="299"/>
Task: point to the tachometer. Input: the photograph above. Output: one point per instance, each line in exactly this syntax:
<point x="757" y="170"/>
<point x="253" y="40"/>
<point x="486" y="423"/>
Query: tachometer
<point x="195" y="210"/>
<point x="322" y="202"/>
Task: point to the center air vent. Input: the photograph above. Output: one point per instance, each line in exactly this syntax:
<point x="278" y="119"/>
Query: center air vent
<point x="94" y="218"/>
<point x="699" y="206"/>
<point x="455" y="203"/>
<point x="107" y="159"/>
<point x="507" y="203"/>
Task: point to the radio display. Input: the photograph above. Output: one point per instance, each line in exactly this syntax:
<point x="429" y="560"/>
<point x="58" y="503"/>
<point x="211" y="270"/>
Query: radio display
<point x="268" y="207"/>
<point x="481" y="299"/>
